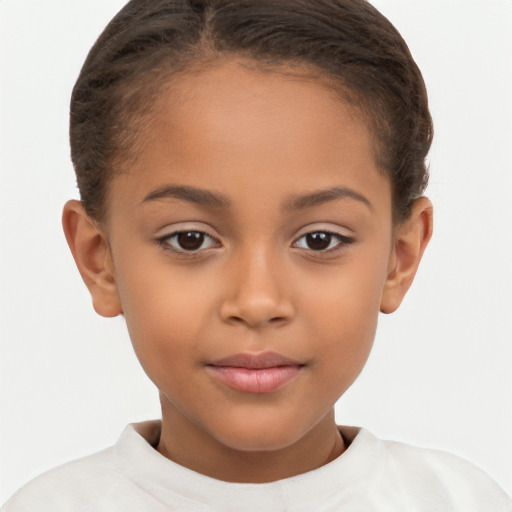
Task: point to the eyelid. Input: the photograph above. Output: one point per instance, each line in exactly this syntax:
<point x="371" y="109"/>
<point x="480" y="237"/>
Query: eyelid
<point x="319" y="227"/>
<point x="180" y="227"/>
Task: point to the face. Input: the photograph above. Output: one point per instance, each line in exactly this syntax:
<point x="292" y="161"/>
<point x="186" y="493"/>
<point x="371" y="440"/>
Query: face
<point x="250" y="243"/>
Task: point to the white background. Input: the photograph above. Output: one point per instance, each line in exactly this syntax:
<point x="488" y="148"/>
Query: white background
<point x="440" y="374"/>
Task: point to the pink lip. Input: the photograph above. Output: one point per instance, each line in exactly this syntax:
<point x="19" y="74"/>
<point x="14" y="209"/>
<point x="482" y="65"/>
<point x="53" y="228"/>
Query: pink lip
<point x="255" y="373"/>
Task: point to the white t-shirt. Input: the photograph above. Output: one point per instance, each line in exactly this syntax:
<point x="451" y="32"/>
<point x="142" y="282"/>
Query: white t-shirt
<point x="371" y="476"/>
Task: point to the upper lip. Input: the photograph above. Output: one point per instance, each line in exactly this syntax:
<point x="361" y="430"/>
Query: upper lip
<point x="255" y="361"/>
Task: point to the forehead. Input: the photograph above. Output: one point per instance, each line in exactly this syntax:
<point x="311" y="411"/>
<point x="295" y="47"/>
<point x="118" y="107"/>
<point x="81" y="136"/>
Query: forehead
<point x="231" y="125"/>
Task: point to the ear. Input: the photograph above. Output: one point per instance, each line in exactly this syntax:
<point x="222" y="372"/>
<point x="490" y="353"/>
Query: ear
<point x="90" y="249"/>
<point x="410" y="240"/>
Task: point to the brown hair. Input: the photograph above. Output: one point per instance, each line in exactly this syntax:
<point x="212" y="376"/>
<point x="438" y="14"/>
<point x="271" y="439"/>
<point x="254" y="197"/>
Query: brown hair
<point x="346" y="41"/>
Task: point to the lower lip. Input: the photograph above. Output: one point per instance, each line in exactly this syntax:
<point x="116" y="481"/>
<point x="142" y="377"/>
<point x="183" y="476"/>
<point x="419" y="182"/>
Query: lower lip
<point x="255" y="380"/>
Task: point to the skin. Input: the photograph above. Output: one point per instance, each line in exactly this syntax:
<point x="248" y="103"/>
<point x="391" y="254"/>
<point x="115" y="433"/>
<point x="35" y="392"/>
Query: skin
<point x="261" y="139"/>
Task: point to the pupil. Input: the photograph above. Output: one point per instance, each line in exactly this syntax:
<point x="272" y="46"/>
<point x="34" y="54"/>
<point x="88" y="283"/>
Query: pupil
<point x="318" y="241"/>
<point x="191" y="240"/>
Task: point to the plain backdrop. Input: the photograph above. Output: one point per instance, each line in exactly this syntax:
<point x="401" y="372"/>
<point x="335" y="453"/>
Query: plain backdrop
<point x="440" y="373"/>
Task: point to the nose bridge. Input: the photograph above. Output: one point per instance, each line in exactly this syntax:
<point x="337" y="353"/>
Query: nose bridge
<point x="257" y="290"/>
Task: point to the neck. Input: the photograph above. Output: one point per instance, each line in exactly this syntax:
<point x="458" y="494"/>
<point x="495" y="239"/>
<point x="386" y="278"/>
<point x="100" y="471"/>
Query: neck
<point x="195" y="448"/>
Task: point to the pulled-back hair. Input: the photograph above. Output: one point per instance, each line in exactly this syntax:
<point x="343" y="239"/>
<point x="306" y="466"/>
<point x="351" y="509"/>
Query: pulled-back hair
<point x="347" y="42"/>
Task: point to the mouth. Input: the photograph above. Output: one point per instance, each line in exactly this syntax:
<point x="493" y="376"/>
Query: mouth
<point x="255" y="373"/>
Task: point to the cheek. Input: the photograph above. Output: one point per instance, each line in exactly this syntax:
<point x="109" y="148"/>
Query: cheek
<point x="346" y="329"/>
<point x="345" y="312"/>
<point x="161" y="309"/>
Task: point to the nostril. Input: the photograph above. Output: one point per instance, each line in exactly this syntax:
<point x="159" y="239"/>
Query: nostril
<point x="278" y="319"/>
<point x="256" y="315"/>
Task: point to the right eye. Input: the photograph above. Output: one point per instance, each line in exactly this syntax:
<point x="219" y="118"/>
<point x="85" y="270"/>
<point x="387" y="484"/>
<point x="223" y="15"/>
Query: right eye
<point x="323" y="241"/>
<point x="188" y="241"/>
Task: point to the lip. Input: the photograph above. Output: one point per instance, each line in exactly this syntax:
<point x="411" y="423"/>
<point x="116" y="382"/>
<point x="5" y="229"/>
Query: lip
<point x="255" y="373"/>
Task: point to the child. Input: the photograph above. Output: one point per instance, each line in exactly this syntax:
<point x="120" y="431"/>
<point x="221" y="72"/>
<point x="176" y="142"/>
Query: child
<point x="251" y="175"/>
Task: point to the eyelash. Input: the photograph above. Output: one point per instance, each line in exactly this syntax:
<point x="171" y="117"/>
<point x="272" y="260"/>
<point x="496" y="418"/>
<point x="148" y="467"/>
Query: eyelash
<point x="165" y="242"/>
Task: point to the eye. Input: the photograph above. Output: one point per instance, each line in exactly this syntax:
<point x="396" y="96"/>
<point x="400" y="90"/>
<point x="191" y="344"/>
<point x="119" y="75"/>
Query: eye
<point x="322" y="241"/>
<point x="188" y="241"/>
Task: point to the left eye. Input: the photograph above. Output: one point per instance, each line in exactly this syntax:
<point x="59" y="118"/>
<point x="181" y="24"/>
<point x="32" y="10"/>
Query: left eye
<point x="188" y="241"/>
<point x="321" y="241"/>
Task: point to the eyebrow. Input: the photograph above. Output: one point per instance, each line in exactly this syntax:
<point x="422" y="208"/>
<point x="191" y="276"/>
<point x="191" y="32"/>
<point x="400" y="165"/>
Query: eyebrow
<point x="191" y="194"/>
<point x="214" y="199"/>
<point x="324" y="196"/>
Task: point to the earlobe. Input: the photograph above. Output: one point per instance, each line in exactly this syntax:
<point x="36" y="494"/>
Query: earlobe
<point x="91" y="252"/>
<point x="411" y="240"/>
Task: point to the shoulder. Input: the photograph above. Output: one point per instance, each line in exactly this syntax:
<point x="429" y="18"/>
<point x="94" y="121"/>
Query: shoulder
<point x="105" y="481"/>
<point x="66" y="486"/>
<point x="433" y="478"/>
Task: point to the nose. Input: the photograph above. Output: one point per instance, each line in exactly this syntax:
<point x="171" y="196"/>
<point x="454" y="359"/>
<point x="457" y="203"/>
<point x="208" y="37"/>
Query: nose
<point x="257" y="293"/>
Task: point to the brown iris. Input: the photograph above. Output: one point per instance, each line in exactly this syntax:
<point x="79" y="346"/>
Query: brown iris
<point x="318" y="241"/>
<point x="190" y="240"/>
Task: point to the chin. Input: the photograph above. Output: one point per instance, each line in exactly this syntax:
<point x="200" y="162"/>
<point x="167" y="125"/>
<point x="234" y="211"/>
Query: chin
<point x="262" y="435"/>
<point x="257" y="442"/>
